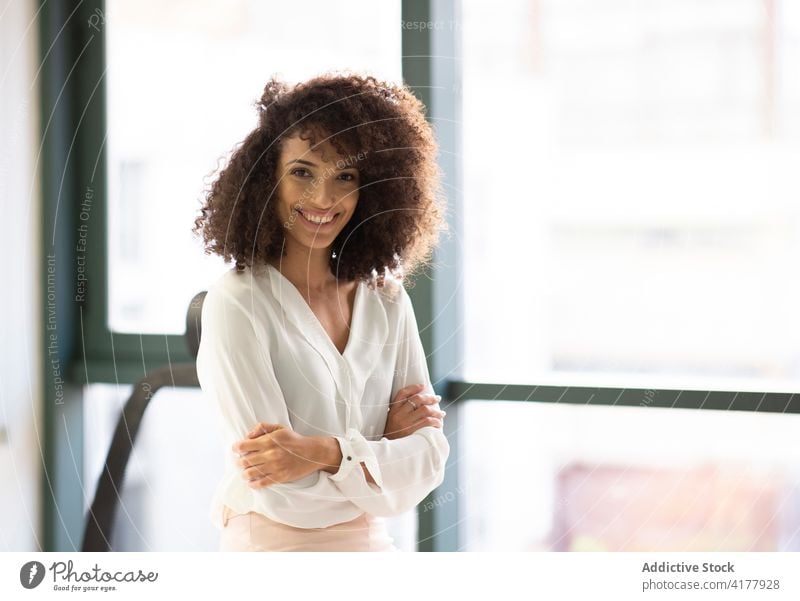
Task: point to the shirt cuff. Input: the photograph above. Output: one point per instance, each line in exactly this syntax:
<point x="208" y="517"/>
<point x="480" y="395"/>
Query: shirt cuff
<point x="356" y="451"/>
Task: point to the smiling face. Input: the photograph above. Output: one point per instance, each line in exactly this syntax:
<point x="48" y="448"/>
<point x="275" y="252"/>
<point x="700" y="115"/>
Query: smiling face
<point x="317" y="193"/>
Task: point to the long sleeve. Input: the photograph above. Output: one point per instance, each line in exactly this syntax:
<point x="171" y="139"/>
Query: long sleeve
<point x="234" y="369"/>
<point x="406" y="469"/>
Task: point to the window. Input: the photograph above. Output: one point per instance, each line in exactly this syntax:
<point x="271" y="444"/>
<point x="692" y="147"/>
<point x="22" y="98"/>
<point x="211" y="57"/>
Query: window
<point x="630" y="201"/>
<point x="181" y="82"/>
<point x="630" y="184"/>
<point x="552" y="477"/>
<point x="171" y="473"/>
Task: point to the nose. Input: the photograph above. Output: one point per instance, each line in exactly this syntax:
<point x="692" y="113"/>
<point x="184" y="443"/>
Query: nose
<point x="324" y="196"/>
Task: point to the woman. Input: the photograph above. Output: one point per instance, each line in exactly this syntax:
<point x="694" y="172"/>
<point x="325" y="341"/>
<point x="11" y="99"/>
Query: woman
<point x="310" y="348"/>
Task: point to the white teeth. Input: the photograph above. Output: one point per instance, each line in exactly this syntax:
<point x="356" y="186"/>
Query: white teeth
<point x="317" y="219"/>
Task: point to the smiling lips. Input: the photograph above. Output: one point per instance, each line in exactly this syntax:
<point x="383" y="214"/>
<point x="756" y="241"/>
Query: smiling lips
<point x="318" y="222"/>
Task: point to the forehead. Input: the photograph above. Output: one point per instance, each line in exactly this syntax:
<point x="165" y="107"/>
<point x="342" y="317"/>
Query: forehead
<point x="296" y="148"/>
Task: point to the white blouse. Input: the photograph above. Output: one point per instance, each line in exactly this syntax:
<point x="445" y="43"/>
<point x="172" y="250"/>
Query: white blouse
<point x="264" y="356"/>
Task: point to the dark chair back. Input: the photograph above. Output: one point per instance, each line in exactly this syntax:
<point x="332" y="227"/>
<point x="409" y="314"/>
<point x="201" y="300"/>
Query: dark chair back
<point x="100" y="520"/>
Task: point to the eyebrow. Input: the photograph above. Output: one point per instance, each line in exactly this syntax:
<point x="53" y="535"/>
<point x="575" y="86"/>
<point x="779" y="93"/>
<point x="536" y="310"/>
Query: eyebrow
<point x="304" y="162"/>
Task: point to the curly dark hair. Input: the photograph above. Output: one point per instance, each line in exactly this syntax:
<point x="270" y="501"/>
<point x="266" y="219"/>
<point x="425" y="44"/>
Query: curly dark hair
<point x="401" y="210"/>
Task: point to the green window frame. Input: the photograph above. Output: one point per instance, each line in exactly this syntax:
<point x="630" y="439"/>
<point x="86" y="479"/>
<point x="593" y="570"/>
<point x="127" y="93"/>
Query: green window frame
<point x="80" y="348"/>
<point x="72" y="79"/>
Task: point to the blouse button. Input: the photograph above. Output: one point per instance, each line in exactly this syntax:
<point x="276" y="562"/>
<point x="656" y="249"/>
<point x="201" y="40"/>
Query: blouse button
<point x="349" y="458"/>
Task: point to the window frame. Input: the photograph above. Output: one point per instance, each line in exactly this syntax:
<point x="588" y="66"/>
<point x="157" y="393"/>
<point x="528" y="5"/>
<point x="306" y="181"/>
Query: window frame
<point x="73" y="125"/>
<point x="72" y="52"/>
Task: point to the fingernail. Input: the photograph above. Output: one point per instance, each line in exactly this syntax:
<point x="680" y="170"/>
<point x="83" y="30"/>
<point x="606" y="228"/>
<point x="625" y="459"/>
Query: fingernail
<point x="438" y="396"/>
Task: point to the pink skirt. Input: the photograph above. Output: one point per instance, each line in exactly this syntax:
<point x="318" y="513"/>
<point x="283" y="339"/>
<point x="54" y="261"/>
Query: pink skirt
<point x="256" y="532"/>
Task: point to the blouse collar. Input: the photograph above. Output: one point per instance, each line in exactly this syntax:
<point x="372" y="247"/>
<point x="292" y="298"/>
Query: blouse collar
<point x="369" y="330"/>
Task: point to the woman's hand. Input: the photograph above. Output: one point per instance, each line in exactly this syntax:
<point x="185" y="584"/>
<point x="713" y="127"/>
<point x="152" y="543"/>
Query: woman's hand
<point x="272" y="454"/>
<point x="404" y="418"/>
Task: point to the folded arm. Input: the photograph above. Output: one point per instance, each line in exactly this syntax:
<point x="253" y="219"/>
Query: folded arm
<point x="404" y="470"/>
<point x="235" y="370"/>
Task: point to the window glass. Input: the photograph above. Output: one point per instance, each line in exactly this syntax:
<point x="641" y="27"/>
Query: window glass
<point x="549" y="476"/>
<point x="182" y="80"/>
<point x="631" y="193"/>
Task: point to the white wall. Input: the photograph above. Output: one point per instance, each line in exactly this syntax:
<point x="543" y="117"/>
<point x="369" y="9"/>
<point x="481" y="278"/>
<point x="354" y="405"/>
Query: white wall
<point x="21" y="439"/>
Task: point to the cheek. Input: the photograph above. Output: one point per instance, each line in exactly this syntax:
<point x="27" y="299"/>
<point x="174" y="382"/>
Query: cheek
<point x="290" y="195"/>
<point x="289" y="191"/>
<point x="351" y="202"/>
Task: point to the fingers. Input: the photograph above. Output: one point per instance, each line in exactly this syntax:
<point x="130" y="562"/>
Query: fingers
<point x="426" y="398"/>
<point x="256" y="472"/>
<point x="421" y="403"/>
<point x="251" y="460"/>
<point x="410" y="414"/>
<point x="403" y="422"/>
<point x="262" y="428"/>
<point x="434" y="421"/>
<point x="253" y="451"/>
<point x="406" y="392"/>
<point x="429" y="411"/>
<point x="260" y="474"/>
<point x="417" y="399"/>
<point x="415" y="411"/>
<point x="248" y="445"/>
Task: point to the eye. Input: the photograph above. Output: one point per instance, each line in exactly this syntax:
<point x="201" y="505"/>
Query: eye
<point x="348" y="177"/>
<point x="295" y="172"/>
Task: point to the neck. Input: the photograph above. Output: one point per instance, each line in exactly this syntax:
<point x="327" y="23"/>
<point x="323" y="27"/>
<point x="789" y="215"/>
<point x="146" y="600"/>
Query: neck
<point x="308" y="269"/>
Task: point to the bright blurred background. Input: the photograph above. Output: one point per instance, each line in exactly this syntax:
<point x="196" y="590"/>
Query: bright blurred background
<point x="628" y="216"/>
